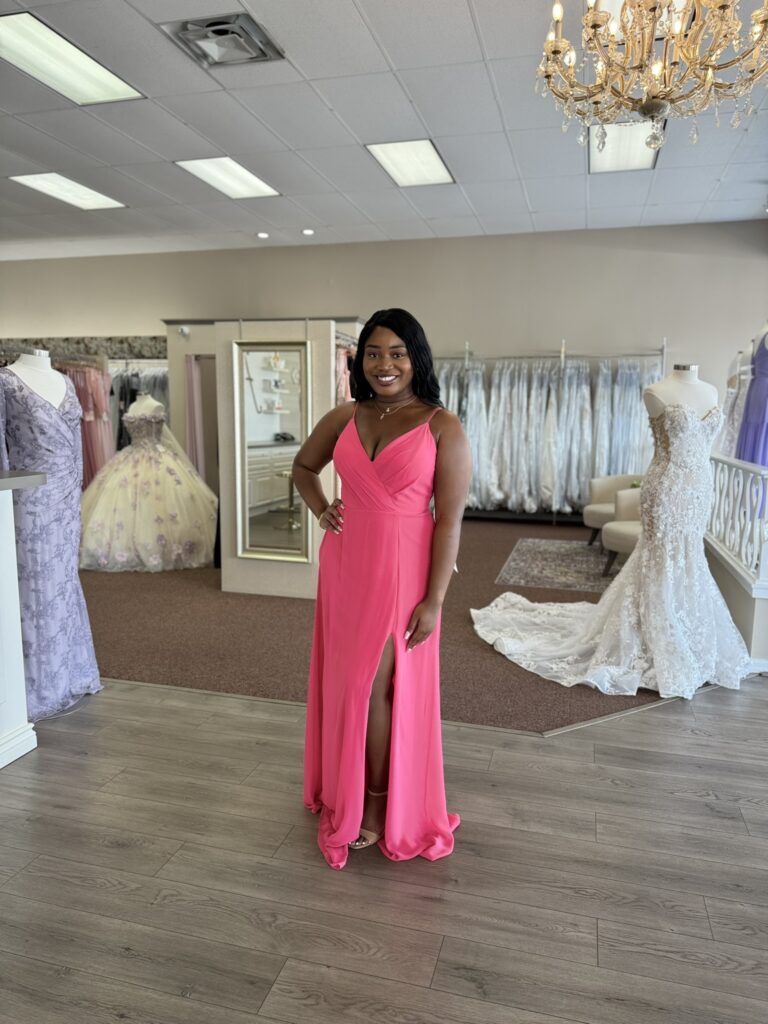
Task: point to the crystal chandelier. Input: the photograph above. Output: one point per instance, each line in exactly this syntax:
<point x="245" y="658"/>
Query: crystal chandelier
<point x="657" y="59"/>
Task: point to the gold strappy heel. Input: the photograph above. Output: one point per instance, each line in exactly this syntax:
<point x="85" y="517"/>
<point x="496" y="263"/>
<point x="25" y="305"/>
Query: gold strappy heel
<point x="367" y="837"/>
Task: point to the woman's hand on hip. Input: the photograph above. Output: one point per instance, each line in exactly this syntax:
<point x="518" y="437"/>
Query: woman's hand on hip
<point x="332" y="517"/>
<point x="423" y="623"/>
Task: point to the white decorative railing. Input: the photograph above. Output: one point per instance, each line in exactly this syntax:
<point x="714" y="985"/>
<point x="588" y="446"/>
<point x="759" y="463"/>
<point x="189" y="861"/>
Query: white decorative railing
<point x="738" y="524"/>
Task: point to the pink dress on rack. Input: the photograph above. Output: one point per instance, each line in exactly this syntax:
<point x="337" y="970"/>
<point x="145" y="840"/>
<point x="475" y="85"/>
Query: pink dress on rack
<point x="372" y="575"/>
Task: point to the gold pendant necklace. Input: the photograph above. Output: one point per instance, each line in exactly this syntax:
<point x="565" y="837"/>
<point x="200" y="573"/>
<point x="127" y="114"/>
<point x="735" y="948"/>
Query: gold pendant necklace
<point x="391" y="412"/>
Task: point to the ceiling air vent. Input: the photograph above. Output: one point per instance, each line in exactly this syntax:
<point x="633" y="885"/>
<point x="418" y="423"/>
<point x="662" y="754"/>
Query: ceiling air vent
<point x="226" y="39"/>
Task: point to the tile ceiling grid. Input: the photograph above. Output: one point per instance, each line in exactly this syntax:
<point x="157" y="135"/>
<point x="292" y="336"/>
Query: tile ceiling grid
<point x="458" y="71"/>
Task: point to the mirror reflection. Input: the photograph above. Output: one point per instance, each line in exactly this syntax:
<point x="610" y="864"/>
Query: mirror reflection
<point x="273" y="421"/>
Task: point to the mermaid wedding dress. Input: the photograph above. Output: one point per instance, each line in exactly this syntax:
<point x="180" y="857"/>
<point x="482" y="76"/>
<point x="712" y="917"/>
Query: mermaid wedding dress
<point x="662" y="624"/>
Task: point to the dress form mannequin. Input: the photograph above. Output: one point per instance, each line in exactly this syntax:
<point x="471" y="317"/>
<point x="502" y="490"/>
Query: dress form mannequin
<point x="681" y="387"/>
<point x="144" y="405"/>
<point x="38" y="374"/>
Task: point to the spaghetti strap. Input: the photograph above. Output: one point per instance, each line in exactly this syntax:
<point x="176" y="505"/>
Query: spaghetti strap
<point x="436" y="409"/>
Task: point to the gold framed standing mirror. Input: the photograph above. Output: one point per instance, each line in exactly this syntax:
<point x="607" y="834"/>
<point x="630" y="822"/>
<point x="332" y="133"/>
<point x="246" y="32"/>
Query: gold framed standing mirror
<point x="272" y="420"/>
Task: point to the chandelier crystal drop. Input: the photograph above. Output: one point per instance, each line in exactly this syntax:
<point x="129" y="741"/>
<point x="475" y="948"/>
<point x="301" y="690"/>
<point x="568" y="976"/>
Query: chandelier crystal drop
<point x="656" y="59"/>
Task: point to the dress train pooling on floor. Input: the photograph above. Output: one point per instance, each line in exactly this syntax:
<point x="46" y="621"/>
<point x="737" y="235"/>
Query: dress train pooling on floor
<point x="372" y="576"/>
<point x="662" y="624"/>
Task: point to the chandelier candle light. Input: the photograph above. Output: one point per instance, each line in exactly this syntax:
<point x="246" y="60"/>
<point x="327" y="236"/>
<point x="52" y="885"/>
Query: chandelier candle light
<point x="657" y="59"/>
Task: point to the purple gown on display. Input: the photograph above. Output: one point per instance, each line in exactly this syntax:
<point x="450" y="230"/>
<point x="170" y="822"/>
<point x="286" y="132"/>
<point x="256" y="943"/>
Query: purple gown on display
<point x="753" y="436"/>
<point x="59" y="660"/>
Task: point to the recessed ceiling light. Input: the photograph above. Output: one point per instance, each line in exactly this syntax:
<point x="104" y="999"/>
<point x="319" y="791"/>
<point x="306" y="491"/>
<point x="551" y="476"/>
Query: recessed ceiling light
<point x="262" y="234"/>
<point x="68" y="191"/>
<point x="625" y="148"/>
<point x="308" y="231"/>
<point x="412" y="163"/>
<point x="229" y="177"/>
<point x="32" y="47"/>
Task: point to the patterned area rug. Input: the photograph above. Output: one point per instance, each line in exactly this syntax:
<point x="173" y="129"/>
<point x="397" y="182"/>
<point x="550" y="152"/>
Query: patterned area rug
<point x="555" y="565"/>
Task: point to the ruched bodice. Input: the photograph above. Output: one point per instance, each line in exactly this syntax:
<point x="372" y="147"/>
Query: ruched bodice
<point x="145" y="429"/>
<point x="399" y="479"/>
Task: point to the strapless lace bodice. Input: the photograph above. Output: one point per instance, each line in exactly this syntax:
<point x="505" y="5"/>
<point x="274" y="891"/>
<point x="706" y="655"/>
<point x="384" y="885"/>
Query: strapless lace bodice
<point x="145" y="429"/>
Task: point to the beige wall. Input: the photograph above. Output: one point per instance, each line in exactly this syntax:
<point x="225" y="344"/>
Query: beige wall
<point x="704" y="287"/>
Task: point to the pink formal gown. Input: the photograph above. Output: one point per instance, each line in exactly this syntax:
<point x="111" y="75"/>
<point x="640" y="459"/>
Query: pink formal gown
<point x="372" y="576"/>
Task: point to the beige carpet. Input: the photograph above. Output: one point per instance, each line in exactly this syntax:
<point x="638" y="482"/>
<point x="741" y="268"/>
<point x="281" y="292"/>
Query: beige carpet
<point x="179" y="628"/>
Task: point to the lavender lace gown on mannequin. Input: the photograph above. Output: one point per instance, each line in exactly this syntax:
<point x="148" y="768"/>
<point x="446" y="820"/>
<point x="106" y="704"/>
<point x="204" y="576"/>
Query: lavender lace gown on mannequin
<point x="59" y="660"/>
<point x="752" y="445"/>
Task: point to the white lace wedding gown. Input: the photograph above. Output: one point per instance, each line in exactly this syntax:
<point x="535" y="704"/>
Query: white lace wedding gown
<point x="662" y="624"/>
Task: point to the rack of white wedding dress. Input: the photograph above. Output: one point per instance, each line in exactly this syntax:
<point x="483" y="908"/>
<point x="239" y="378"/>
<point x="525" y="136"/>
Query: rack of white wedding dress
<point x="540" y="426"/>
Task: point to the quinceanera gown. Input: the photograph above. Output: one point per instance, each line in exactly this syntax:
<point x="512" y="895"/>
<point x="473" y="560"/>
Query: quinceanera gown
<point x="148" y="509"/>
<point x="662" y="624"/>
<point x="372" y="575"/>
<point x="37" y="436"/>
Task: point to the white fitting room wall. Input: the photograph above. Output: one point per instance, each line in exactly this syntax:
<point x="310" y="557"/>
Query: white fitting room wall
<point x="704" y="287"/>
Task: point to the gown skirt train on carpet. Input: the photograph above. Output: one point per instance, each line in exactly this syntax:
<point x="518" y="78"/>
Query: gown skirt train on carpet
<point x="371" y="577"/>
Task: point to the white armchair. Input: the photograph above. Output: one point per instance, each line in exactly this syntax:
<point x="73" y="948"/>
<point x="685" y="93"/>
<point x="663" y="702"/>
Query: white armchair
<point x="622" y="534"/>
<point x="602" y="500"/>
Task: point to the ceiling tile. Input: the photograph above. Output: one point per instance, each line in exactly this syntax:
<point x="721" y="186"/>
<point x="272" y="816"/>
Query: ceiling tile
<point x="497" y="199"/>
<point x="404" y="229"/>
<point x="286" y="172"/>
<point x="683" y="185"/>
<point x="160" y="11"/>
<point x="556" y="193"/>
<point x="12" y="228"/>
<point x="615" y="217"/>
<point x="715" y="145"/>
<point x="445" y="201"/>
<point x="11" y="163"/>
<point x="8" y="7"/>
<point x="188" y="218"/>
<point x="455" y="227"/>
<point x="255" y="74"/>
<point x="514" y="224"/>
<point x="224" y="121"/>
<point x="281" y="212"/>
<point x="560" y="220"/>
<point x="357" y="233"/>
<point x="748" y="210"/>
<point x="388" y="204"/>
<point x="514" y="28"/>
<point x="670" y="213"/>
<point x="349" y="168"/>
<point x="515" y="80"/>
<point x="226" y="215"/>
<point x="125" y="42"/>
<point x="478" y="157"/>
<point x="626" y="188"/>
<point x="322" y="39"/>
<point x="119" y="186"/>
<point x="155" y="128"/>
<point x="754" y="142"/>
<point x="374" y="107"/>
<point x="297" y="114"/>
<point x="744" y="188"/>
<point x="455" y="100"/>
<point x="90" y="136"/>
<point x="21" y="94"/>
<point x="424" y="34"/>
<point x="51" y="154"/>
<point x="547" y="153"/>
<point x="333" y="210"/>
<point x="172" y="181"/>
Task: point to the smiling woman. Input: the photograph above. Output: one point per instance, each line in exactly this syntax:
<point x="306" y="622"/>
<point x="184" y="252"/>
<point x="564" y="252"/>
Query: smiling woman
<point x="373" y="762"/>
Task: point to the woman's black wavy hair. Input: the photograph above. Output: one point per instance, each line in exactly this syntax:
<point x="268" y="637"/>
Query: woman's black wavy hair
<point x="410" y="331"/>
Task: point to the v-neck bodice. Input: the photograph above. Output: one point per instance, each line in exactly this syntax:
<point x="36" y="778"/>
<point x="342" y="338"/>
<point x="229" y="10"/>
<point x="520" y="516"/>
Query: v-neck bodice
<point x="400" y="477"/>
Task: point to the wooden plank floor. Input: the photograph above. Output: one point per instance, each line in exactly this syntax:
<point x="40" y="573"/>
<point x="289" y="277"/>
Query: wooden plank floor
<point x="157" y="866"/>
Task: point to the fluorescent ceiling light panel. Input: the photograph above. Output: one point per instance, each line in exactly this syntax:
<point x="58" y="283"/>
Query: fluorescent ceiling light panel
<point x="32" y="47"/>
<point x="625" y="148"/>
<point x="412" y="163"/>
<point x="229" y="177"/>
<point x="68" y="191"/>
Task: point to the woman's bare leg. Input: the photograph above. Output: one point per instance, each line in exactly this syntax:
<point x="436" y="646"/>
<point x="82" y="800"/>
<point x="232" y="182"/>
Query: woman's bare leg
<point x="378" y="740"/>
